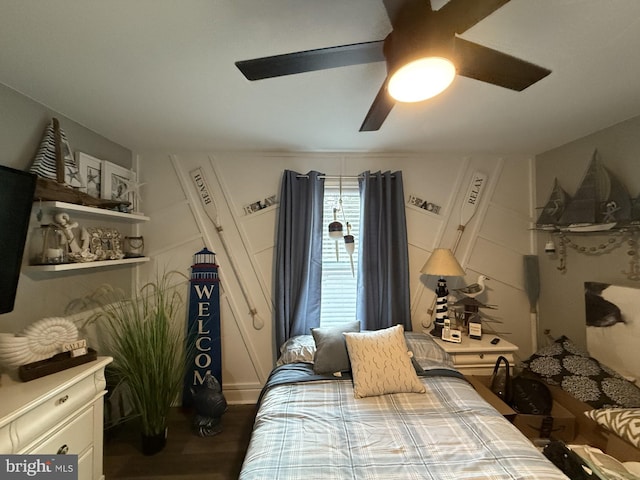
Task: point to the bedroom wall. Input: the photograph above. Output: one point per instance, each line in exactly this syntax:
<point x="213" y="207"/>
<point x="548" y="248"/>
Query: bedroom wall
<point x="22" y="123"/>
<point x="562" y="309"/>
<point x="493" y="242"/>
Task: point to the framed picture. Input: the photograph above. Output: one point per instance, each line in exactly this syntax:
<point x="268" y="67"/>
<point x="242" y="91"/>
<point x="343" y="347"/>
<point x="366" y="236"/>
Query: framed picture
<point x="117" y="182"/>
<point x="71" y="171"/>
<point x="105" y="243"/>
<point x="90" y="169"/>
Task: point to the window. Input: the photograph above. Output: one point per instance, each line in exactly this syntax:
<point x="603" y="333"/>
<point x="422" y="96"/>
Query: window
<point x="339" y="287"/>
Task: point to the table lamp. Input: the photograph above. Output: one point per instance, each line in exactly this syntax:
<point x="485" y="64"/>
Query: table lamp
<point x="442" y="263"/>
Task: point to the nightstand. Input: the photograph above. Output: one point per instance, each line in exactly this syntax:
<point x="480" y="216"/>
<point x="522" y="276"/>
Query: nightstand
<point x="477" y="357"/>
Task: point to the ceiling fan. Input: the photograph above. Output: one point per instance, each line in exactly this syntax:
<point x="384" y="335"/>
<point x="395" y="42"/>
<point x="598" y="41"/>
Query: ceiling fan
<point x="419" y="33"/>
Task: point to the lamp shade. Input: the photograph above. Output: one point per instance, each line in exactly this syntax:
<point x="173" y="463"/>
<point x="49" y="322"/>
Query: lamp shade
<point x="442" y="263"/>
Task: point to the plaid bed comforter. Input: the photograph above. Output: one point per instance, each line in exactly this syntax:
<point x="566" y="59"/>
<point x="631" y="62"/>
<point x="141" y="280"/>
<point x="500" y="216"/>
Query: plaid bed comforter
<point x="318" y="430"/>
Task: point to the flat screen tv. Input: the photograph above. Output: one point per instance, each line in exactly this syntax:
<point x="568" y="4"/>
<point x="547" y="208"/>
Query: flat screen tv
<point x="16" y="198"/>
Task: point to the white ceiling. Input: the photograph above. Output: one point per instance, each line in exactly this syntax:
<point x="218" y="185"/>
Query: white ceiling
<point x="160" y="74"/>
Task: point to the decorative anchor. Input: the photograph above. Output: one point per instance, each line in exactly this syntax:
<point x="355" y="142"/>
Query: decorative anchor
<point x="79" y="253"/>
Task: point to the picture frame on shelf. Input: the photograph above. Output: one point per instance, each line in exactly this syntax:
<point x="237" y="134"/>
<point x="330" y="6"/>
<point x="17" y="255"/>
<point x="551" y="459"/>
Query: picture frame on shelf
<point x="71" y="170"/>
<point x="117" y="182"/>
<point x="105" y="243"/>
<point x="90" y="169"/>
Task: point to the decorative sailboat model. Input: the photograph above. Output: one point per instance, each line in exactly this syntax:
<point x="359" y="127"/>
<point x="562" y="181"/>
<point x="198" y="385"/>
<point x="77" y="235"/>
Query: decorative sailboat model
<point x="58" y="175"/>
<point x="554" y="208"/>
<point x="600" y="203"/>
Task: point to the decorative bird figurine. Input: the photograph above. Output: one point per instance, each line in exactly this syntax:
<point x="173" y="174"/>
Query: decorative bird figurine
<point x="474" y="289"/>
<point x="210" y="405"/>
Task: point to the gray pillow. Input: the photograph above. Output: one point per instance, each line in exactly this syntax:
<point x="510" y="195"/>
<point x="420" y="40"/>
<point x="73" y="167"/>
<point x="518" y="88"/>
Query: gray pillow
<point x="331" y="349"/>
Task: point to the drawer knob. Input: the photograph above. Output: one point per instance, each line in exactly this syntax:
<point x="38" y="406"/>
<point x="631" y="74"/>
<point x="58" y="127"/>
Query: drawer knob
<point x="482" y="355"/>
<point x="61" y="400"/>
<point x="63" y="450"/>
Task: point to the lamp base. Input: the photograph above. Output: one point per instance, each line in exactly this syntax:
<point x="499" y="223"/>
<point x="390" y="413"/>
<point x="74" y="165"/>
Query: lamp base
<point x="437" y="330"/>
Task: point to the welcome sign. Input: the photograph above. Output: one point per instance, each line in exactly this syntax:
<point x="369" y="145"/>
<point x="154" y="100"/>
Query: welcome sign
<point x="203" y="324"/>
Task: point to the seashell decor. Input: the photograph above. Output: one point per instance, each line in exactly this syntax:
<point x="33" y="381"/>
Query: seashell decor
<point x="39" y="341"/>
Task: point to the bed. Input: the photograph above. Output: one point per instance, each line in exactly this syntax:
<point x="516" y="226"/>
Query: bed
<point x="336" y="426"/>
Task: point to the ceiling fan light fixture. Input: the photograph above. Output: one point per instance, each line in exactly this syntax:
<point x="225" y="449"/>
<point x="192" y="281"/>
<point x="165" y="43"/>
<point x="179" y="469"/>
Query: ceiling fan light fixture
<point x="421" y="79"/>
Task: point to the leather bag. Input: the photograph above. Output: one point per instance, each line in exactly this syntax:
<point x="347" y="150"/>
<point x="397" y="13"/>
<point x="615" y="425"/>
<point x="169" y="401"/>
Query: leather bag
<point x="501" y="380"/>
<point x="525" y="395"/>
<point x="530" y="396"/>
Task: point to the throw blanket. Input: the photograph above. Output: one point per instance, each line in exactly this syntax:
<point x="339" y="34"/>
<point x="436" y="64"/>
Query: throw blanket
<point x="303" y="372"/>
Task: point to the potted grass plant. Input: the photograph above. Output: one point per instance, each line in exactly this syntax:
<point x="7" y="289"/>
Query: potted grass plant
<point x="146" y="339"/>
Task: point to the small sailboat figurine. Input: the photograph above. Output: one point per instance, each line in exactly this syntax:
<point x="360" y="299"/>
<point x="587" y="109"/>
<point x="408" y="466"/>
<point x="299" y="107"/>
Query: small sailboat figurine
<point x="44" y="163"/>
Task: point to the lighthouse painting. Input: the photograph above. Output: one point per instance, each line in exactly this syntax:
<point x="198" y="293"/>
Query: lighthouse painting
<point x="203" y="324"/>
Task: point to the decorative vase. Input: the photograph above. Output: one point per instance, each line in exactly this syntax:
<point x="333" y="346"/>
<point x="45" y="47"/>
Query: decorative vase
<point x="152" y="444"/>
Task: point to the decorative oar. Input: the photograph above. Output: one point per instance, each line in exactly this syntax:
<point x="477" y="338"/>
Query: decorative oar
<point x="470" y="204"/>
<point x="211" y="210"/>
<point x="532" y="287"/>
<point x="467" y="211"/>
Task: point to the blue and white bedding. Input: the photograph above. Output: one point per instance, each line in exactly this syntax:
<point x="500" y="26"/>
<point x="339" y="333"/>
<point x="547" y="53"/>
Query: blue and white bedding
<point x="317" y="429"/>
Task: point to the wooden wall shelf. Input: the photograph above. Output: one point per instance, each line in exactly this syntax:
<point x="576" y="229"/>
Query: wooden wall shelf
<point x="111" y="215"/>
<point x="61" y="267"/>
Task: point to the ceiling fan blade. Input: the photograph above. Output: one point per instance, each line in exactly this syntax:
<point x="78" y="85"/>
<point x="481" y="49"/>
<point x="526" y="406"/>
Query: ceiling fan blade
<point x="312" y="60"/>
<point x="379" y="110"/>
<point x="461" y="15"/>
<point x="400" y="11"/>
<point x="491" y="66"/>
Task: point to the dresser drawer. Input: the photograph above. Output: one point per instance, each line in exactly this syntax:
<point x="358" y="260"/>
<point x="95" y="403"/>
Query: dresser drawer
<point x="73" y="438"/>
<point x="85" y="465"/>
<point x="64" y="408"/>
<point x="480" y="358"/>
<point x="35" y="422"/>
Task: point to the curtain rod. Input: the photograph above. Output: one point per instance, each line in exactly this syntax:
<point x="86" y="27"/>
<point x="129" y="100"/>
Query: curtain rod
<point x="335" y="177"/>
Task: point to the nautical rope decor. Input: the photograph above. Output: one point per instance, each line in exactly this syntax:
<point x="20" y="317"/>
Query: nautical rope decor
<point x="614" y="241"/>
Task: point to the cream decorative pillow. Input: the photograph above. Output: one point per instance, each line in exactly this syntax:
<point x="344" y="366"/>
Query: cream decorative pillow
<point x="624" y="422"/>
<point x="381" y="363"/>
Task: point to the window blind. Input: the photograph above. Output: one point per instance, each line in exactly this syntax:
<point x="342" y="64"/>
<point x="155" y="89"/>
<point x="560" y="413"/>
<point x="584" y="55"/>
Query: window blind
<point x="339" y="287"/>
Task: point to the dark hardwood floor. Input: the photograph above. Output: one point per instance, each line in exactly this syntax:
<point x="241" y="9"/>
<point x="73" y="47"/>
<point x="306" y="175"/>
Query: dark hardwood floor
<point x="186" y="455"/>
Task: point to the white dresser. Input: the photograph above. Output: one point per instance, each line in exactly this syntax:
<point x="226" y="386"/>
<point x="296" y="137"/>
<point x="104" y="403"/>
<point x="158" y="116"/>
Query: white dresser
<point x="55" y="414"/>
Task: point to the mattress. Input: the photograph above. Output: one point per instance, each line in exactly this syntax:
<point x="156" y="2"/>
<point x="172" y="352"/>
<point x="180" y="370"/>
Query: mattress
<point x="314" y="428"/>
